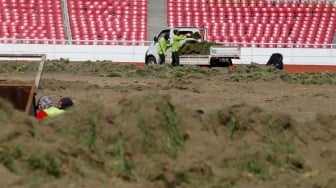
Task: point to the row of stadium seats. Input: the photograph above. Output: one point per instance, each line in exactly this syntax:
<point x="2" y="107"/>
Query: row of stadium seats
<point x="258" y="21"/>
<point x="88" y="19"/>
<point x="108" y="20"/>
<point x="31" y="19"/>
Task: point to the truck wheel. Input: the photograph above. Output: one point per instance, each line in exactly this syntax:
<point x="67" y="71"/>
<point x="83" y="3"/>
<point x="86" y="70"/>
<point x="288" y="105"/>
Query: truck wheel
<point x="212" y="64"/>
<point x="230" y="62"/>
<point x="151" y="61"/>
<point x="227" y="63"/>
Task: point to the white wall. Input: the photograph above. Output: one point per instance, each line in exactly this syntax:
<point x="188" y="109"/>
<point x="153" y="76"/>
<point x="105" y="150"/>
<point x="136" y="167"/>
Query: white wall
<point x="297" y="56"/>
<point x="79" y="52"/>
<point x="137" y="53"/>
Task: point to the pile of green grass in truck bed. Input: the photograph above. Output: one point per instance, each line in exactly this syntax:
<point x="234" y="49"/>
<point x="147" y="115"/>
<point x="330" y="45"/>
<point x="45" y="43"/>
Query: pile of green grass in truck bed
<point x="194" y="47"/>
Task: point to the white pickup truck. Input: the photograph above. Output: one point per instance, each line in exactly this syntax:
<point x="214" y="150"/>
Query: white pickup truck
<point x="219" y="55"/>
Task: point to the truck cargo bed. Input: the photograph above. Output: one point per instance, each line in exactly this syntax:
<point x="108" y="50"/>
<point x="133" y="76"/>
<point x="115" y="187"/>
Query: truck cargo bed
<point x="222" y="51"/>
<point x="194" y="60"/>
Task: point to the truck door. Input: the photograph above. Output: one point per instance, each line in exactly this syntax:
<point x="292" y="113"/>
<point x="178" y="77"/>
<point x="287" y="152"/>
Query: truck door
<point x="152" y="53"/>
<point x="168" y="52"/>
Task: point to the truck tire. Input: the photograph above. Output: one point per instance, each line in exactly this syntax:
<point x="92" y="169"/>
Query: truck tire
<point x="216" y="63"/>
<point x="230" y="62"/>
<point x="151" y="60"/>
<point x="227" y="63"/>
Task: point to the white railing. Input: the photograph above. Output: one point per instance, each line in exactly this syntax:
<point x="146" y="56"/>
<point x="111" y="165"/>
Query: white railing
<point x="146" y="43"/>
<point x="74" y="42"/>
<point x="134" y="51"/>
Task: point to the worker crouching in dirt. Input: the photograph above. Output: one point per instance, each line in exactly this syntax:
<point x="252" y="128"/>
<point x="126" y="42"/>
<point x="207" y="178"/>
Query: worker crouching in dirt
<point x="47" y="109"/>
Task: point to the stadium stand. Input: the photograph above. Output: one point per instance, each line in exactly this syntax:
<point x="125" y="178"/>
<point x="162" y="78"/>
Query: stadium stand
<point x="31" y="19"/>
<point x="77" y="20"/>
<point x="269" y="23"/>
<point x="108" y="19"/>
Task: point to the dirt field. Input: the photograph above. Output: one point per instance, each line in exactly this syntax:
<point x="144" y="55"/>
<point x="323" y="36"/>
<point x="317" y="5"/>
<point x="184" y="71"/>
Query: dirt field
<point x="162" y="126"/>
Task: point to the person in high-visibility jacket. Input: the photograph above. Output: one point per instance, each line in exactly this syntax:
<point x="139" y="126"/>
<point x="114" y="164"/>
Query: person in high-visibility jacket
<point x="175" y="47"/>
<point x="50" y="112"/>
<point x="162" y="48"/>
<point x="53" y="111"/>
<point x="45" y="107"/>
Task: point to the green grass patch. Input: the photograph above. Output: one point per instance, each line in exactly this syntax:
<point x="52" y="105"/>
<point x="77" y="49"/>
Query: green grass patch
<point x="160" y="129"/>
<point x="91" y="135"/>
<point x="11" y="136"/>
<point x="117" y="149"/>
<point x="194" y="47"/>
<point x="6" y="110"/>
<point x="281" y="152"/>
<point x="46" y="163"/>
<point x="172" y="126"/>
<point x="253" y="163"/>
<point x="148" y="142"/>
<point x="7" y="159"/>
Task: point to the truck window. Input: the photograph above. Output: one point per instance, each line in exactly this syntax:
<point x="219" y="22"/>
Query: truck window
<point x="185" y="32"/>
<point x="192" y="34"/>
<point x="163" y="33"/>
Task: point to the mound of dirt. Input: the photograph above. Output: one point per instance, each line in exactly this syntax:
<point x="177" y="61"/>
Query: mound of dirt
<point x="164" y="126"/>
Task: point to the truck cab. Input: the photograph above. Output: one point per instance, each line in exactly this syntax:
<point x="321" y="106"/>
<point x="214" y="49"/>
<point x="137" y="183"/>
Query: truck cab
<point x="152" y="56"/>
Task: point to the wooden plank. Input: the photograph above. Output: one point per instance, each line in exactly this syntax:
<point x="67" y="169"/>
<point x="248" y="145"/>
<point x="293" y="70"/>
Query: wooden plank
<point x="40" y="68"/>
<point x="39" y="71"/>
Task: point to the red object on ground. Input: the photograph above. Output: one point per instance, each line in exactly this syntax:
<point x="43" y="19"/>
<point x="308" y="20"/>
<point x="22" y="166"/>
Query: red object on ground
<point x="41" y="114"/>
<point x="309" y="68"/>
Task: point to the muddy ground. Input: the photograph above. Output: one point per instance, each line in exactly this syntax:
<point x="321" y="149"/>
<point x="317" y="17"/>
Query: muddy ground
<point x="162" y="126"/>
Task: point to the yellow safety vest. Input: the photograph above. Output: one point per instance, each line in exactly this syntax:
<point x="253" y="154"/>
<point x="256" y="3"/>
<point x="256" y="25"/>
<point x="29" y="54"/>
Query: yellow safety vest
<point x="53" y="111"/>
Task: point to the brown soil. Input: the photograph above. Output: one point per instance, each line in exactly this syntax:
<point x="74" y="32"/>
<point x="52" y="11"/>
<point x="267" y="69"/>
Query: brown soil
<point x="163" y="126"/>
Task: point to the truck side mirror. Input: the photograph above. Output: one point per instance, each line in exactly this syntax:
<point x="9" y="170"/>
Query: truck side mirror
<point x="155" y="39"/>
